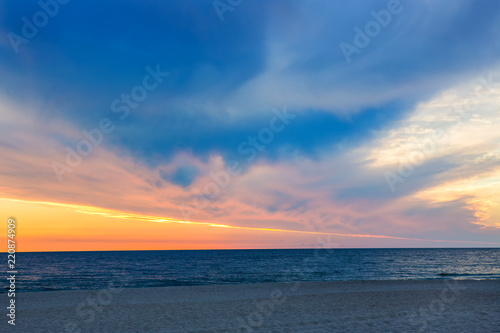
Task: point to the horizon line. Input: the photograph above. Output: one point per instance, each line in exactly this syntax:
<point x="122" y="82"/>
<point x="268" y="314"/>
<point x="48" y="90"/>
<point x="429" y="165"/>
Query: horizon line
<point x="269" y="249"/>
<point x="113" y="213"/>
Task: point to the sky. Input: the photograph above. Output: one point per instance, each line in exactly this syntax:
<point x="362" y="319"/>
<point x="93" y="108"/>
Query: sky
<point x="201" y="124"/>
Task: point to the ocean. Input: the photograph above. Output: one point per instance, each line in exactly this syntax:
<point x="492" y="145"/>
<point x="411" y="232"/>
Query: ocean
<point x="129" y="269"/>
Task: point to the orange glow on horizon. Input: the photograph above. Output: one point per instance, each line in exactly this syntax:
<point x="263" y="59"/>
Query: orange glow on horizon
<point x="44" y="227"/>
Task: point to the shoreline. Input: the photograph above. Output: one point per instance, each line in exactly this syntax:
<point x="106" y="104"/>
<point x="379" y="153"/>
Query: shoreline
<point x="445" y="277"/>
<point x="344" y="306"/>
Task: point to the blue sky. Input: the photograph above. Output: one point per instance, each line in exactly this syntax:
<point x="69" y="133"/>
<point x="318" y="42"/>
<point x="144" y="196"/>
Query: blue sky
<point x="354" y="121"/>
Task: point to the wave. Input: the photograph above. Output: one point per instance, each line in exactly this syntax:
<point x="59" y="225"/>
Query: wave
<point x="468" y="274"/>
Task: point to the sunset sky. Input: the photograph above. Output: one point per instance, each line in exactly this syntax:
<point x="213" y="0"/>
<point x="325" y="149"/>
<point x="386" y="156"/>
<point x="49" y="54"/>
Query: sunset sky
<point x="197" y="124"/>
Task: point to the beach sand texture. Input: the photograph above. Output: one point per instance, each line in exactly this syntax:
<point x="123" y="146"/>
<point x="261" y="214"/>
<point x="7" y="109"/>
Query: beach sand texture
<point x="354" y="306"/>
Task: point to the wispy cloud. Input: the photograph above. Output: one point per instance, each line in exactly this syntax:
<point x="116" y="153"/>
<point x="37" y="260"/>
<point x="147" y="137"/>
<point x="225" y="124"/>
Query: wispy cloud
<point x="416" y="109"/>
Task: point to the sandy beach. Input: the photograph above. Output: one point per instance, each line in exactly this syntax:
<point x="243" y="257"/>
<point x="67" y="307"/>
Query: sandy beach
<point x="359" y="306"/>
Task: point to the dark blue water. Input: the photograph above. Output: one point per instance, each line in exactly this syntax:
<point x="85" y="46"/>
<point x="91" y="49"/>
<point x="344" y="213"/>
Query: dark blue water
<point x="95" y="270"/>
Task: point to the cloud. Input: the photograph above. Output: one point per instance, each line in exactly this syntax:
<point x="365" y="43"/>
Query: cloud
<point x="452" y="144"/>
<point x="402" y="100"/>
<point x="183" y="176"/>
<point x="225" y="78"/>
